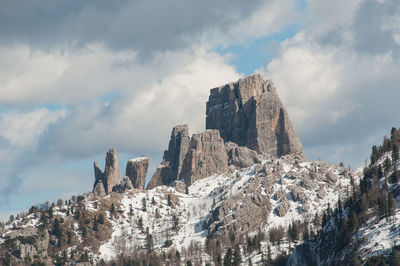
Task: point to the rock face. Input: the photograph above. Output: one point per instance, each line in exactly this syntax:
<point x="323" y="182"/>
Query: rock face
<point x="206" y="156"/>
<point x="160" y="177"/>
<point x="99" y="189"/>
<point x="136" y="170"/>
<point x="241" y="156"/>
<point x="250" y="113"/>
<point x="241" y="212"/>
<point x="177" y="149"/>
<point x="111" y="175"/>
<point x="173" y="158"/>
<point x="282" y="208"/>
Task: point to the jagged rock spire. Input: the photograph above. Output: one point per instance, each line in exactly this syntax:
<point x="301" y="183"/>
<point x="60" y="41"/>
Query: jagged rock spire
<point x="111" y="175"/>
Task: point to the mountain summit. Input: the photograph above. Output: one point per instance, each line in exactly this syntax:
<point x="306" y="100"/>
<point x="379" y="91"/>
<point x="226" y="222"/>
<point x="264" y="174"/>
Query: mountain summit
<point x="249" y="113"/>
<point x="247" y="117"/>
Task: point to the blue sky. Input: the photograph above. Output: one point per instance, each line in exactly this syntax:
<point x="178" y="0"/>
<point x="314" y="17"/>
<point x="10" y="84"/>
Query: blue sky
<point x="78" y="80"/>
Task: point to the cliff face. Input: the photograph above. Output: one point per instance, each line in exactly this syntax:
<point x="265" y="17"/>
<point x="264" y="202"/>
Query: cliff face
<point x="206" y="156"/>
<point x="136" y="170"/>
<point x="173" y="158"/>
<point x="111" y="176"/>
<point x="249" y="113"/>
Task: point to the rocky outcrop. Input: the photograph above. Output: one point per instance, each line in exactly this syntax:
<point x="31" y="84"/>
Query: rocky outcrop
<point x="282" y="208"/>
<point x="160" y="177"/>
<point x="111" y="175"/>
<point x="250" y="113"/>
<point x="136" y="170"/>
<point x="206" y="156"/>
<point x="241" y="156"/>
<point x="173" y="158"/>
<point x="251" y="213"/>
<point x="177" y="149"/>
<point x="99" y="189"/>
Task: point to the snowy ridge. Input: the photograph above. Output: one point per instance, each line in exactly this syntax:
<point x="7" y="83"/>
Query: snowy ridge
<point x="205" y="195"/>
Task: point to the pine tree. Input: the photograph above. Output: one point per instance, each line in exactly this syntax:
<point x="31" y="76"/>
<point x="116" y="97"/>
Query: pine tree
<point x="144" y="207"/>
<point x="395" y="154"/>
<point x="374" y="154"/>
<point x="95" y="224"/>
<point x="391" y="205"/>
<point x="237" y="258"/>
<point x="169" y="200"/>
<point x="228" y="257"/>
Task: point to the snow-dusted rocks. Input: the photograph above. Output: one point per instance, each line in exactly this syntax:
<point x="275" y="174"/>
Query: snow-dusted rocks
<point x="282" y="208"/>
<point x="250" y="113"/>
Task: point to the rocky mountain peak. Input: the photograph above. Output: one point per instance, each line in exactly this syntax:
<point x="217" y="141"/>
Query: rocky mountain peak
<point x="249" y="113"/>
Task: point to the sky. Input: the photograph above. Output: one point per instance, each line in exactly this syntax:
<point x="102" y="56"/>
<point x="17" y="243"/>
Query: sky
<point x="80" y="77"/>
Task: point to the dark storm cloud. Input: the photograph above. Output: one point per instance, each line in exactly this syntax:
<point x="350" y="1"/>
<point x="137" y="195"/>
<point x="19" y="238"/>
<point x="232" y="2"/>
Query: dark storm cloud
<point x="146" y="26"/>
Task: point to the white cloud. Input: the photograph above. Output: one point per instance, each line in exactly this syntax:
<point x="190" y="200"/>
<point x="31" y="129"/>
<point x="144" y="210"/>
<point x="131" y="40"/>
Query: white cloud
<point x="339" y="93"/>
<point x="23" y="129"/>
<point x="172" y="90"/>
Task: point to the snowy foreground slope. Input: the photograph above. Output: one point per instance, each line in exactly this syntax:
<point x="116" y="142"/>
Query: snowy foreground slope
<point x="367" y="231"/>
<point x="249" y="209"/>
<point x="308" y="188"/>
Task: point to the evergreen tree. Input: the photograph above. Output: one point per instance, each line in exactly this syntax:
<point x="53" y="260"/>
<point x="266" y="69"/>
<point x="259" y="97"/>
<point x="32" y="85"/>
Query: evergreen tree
<point x="112" y="210"/>
<point x="228" y="257"/>
<point x="374" y="154"/>
<point x="395" y="154"/>
<point x="237" y="258"/>
<point x="169" y="200"/>
<point x="391" y="205"/>
<point x="101" y="219"/>
<point x="144" y="207"/>
<point x="95" y="224"/>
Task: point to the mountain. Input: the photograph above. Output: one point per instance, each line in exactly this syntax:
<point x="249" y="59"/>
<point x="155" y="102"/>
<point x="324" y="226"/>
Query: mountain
<point x="365" y="230"/>
<point x="239" y="193"/>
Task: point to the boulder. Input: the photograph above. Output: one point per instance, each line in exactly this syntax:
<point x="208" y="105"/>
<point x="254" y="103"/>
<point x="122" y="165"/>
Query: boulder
<point x="282" y="208"/>
<point x="136" y="170"/>
<point x="249" y="113"/>
<point x="299" y="195"/>
<point x="331" y="178"/>
<point x="279" y="195"/>
<point x="206" y="156"/>
<point x="241" y="156"/>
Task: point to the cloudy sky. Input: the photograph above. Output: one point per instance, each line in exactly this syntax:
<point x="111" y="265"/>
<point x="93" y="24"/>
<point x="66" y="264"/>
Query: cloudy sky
<point x="79" y="77"/>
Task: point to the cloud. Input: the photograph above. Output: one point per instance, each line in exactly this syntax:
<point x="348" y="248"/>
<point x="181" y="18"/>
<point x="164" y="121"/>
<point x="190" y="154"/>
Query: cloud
<point x="341" y="94"/>
<point x="172" y="91"/>
<point x="147" y="27"/>
<point x="19" y="136"/>
<point x="22" y="129"/>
